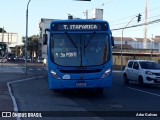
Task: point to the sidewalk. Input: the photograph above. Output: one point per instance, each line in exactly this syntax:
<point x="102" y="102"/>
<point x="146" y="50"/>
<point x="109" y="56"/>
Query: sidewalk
<point x="5" y="99"/>
<point x="6" y="104"/>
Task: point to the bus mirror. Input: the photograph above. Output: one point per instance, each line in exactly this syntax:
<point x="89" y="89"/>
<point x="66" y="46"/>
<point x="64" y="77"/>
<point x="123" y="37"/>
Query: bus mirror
<point x="45" y="39"/>
<point x="112" y="40"/>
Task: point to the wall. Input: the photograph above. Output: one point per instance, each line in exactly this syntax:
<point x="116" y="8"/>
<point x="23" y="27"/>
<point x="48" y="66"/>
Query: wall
<point x="45" y="23"/>
<point x="125" y="58"/>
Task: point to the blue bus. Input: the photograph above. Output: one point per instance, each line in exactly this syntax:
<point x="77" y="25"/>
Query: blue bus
<point x="79" y="54"/>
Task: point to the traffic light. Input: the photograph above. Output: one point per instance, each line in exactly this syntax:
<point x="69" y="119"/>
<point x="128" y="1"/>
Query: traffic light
<point x="139" y="17"/>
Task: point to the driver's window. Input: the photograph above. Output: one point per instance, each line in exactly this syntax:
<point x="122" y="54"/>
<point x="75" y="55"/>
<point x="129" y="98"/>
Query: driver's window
<point x="135" y="66"/>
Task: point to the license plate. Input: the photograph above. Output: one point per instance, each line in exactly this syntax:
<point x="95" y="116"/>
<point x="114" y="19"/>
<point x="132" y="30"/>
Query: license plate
<point x="81" y="84"/>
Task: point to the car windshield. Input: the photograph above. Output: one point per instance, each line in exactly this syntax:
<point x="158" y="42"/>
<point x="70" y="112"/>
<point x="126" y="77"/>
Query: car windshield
<point x="149" y="65"/>
<point x="79" y="49"/>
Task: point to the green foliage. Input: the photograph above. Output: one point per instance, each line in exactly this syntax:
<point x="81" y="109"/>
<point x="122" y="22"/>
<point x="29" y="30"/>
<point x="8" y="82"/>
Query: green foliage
<point x="1" y="30"/>
<point x="34" y="45"/>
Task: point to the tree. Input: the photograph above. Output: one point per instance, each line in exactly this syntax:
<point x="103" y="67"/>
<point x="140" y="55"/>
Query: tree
<point x="3" y="46"/>
<point x="18" y="50"/>
<point x="2" y="30"/>
<point x="34" y="46"/>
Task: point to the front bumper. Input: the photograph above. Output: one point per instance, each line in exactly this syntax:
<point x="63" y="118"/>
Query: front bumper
<point x="151" y="79"/>
<point x="66" y="84"/>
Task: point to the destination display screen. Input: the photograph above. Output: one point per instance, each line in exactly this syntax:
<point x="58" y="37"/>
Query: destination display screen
<point x="79" y="26"/>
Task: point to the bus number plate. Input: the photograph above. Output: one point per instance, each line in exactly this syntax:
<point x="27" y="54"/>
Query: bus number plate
<point x="81" y="84"/>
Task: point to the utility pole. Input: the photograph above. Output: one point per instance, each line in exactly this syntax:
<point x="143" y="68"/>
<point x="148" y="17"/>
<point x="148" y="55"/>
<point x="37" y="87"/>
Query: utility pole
<point x="145" y="26"/>
<point x="152" y="47"/>
<point x="139" y="19"/>
<point x="122" y="42"/>
<point x="26" y="55"/>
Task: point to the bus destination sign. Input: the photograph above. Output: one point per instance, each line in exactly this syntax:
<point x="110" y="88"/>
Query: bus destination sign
<point x="78" y="27"/>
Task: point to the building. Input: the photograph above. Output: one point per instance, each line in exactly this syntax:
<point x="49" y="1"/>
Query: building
<point x="44" y="23"/>
<point x="6" y="41"/>
<point x="132" y="48"/>
<point x="97" y="14"/>
<point x="137" y="43"/>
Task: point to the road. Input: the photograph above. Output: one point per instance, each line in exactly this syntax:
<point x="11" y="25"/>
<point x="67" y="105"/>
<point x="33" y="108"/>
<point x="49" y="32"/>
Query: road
<point x="19" y="67"/>
<point x="33" y="95"/>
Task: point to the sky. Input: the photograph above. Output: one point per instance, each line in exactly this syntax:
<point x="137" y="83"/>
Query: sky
<point x="117" y="12"/>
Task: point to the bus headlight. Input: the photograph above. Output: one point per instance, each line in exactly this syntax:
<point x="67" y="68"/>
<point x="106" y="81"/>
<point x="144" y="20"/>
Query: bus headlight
<point x="54" y="74"/>
<point x="106" y="73"/>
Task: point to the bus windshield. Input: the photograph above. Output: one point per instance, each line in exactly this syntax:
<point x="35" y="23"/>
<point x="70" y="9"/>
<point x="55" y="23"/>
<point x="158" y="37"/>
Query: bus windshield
<point x="75" y="49"/>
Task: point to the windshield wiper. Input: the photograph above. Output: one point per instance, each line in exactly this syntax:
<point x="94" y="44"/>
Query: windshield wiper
<point x="71" y="40"/>
<point x="93" y="34"/>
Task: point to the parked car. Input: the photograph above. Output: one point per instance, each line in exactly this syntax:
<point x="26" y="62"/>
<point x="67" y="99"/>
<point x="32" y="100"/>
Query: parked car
<point x="40" y="60"/>
<point x="11" y="57"/>
<point x="142" y="71"/>
<point x="28" y="59"/>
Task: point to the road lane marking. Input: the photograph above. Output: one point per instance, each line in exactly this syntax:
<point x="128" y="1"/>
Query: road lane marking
<point x="144" y="91"/>
<point x="15" y="107"/>
<point x="39" y="69"/>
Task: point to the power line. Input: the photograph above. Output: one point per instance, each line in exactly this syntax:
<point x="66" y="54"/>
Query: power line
<point x="129" y="17"/>
<point x="148" y="23"/>
<point x="136" y="20"/>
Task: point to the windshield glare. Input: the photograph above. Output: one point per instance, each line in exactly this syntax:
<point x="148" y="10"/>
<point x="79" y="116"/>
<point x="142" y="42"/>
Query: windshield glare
<point x="79" y="49"/>
<point x="149" y="65"/>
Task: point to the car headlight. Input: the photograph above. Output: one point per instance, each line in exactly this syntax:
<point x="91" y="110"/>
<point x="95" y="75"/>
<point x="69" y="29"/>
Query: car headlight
<point x="54" y="74"/>
<point x="149" y="73"/>
<point x="106" y="73"/>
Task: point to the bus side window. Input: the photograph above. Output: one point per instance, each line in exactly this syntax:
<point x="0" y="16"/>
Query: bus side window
<point x="45" y="39"/>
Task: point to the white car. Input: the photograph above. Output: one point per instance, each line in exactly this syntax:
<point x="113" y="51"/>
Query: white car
<point x="40" y="60"/>
<point x="142" y="71"/>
